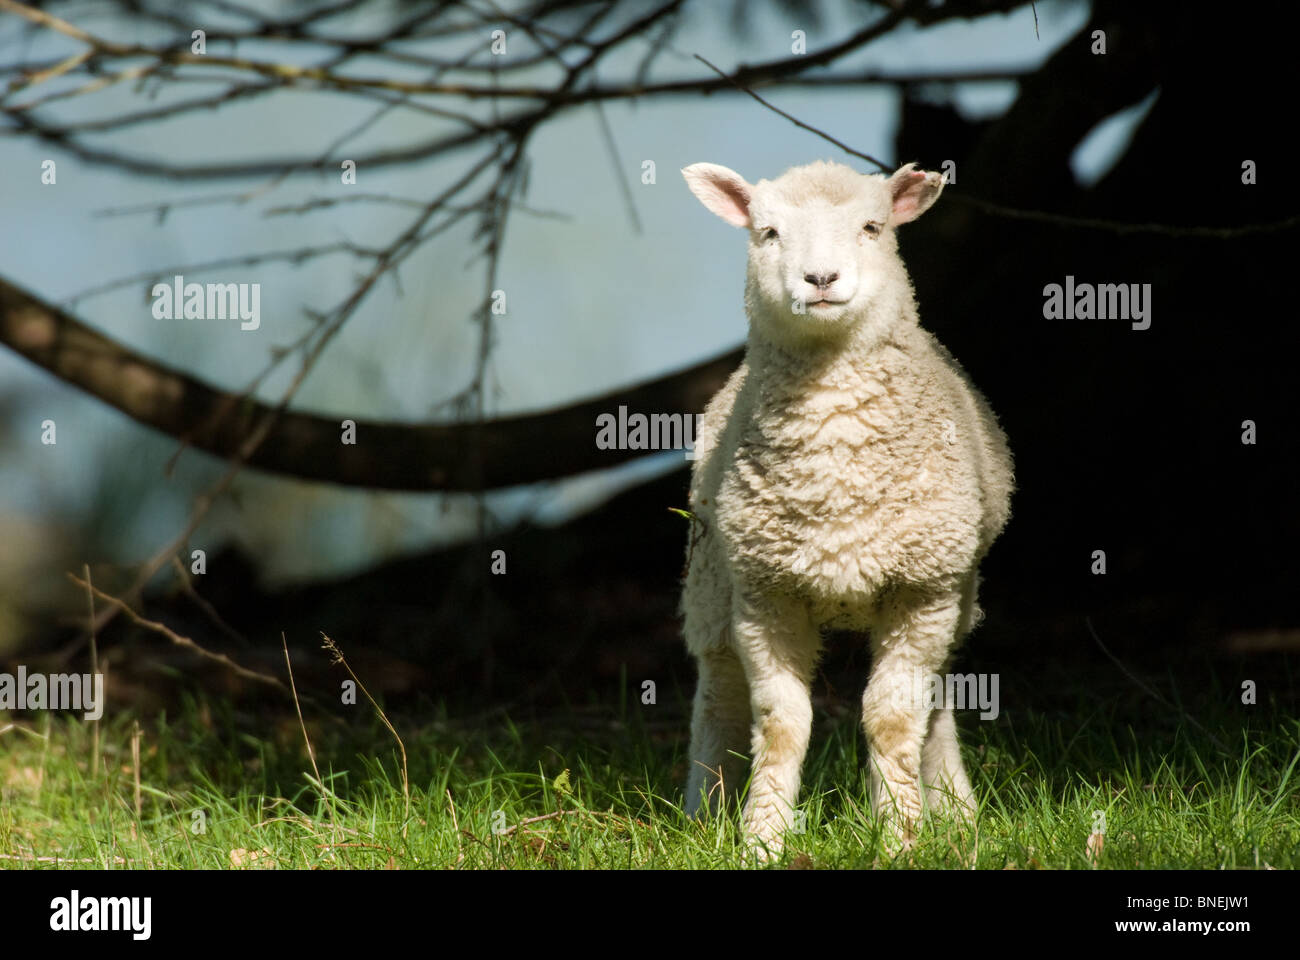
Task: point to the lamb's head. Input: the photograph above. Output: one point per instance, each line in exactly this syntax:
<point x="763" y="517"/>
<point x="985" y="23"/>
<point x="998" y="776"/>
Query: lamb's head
<point x="822" y="247"/>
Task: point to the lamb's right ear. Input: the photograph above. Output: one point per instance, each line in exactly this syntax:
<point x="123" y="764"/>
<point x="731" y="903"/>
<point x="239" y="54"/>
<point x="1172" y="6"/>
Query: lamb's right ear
<point x="723" y="191"/>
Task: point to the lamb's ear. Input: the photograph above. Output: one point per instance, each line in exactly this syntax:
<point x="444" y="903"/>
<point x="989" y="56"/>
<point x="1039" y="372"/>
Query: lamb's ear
<point x="723" y="191"/>
<point x="913" y="191"/>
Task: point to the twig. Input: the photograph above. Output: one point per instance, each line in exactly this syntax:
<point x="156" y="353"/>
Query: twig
<point x="1146" y="688"/>
<point x="182" y="641"/>
<point x="797" y="122"/>
<point x="135" y="766"/>
<point x="455" y="825"/>
<point x="620" y="175"/>
<point x="1122" y="228"/>
<point x="391" y="258"/>
<point x="25" y="858"/>
<point x="478" y="840"/>
<point x="21" y="729"/>
<point x="94" y="671"/>
<point x="326" y="795"/>
<point x="43" y="19"/>
<point x="187" y="586"/>
<point x="1039" y="216"/>
<point x="337" y="657"/>
<point x="293" y="257"/>
<point x="529" y="821"/>
<point x="45" y="752"/>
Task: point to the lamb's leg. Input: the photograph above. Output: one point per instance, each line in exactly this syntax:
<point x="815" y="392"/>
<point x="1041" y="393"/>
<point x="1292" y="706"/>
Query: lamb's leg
<point x="720" y="719"/>
<point x="719" y="729"/>
<point x="947" y="788"/>
<point x="911" y="641"/>
<point x="778" y="645"/>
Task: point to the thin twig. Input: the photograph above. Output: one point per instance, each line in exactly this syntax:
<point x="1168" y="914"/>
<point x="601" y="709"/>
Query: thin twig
<point x="478" y="840"/>
<point x="326" y="795"/>
<point x="1039" y="216"/>
<point x="25" y="858"/>
<point x="797" y="122"/>
<point x="183" y="641"/>
<point x="455" y="825"/>
<point x="594" y="814"/>
<point x="187" y="586"/>
<point x="337" y="657"/>
<point x="620" y="175"/>
<point x="21" y="729"/>
<point x="1150" y="691"/>
<point x="401" y="248"/>
<point x="1122" y="228"/>
<point x="94" y="671"/>
<point x="135" y="766"/>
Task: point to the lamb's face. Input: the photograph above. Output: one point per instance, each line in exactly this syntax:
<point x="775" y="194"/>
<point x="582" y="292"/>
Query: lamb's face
<point x="819" y="258"/>
<point x="822" y="244"/>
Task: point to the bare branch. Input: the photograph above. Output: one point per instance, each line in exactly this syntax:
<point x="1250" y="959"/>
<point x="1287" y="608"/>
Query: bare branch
<point x="797" y="122"/>
<point x="183" y="641"/>
<point x="1057" y="219"/>
<point x="389" y="455"/>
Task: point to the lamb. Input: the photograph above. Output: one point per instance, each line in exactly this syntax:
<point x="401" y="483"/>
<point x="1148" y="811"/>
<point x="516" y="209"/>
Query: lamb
<point x="848" y="475"/>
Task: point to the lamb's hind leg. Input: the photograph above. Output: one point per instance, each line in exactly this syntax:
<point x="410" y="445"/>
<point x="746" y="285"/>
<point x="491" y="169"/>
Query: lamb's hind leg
<point x="911" y="641"/>
<point x="947" y="788"/>
<point x="719" y="731"/>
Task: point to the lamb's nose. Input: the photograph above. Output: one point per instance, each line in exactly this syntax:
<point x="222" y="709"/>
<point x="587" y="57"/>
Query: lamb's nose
<point x="820" y="280"/>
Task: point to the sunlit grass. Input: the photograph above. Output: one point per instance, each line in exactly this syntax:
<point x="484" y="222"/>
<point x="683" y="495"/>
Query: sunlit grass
<point x="221" y="789"/>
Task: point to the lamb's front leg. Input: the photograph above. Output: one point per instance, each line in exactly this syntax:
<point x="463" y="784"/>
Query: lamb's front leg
<point x="720" y="720"/>
<point x="943" y="775"/>
<point x="911" y="641"/>
<point x="777" y="644"/>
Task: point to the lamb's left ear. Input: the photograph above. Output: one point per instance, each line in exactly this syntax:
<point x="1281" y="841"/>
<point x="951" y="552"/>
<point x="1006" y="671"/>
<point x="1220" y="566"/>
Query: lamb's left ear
<point x="913" y="191"/>
<point x="723" y="191"/>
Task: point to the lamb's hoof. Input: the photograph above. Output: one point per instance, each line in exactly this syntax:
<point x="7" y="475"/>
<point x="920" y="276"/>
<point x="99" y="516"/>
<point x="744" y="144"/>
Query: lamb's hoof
<point x="764" y="834"/>
<point x="951" y="808"/>
<point x="698" y="805"/>
<point x="898" y="829"/>
<point x="764" y="850"/>
<point x="897" y="840"/>
<point x="703" y="798"/>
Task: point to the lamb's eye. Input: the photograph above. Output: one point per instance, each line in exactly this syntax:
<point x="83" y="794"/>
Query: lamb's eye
<point x="871" y="228"/>
<point x="770" y="233"/>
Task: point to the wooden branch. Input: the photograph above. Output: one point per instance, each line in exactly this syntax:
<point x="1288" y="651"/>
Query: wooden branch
<point x="388" y="455"/>
<point x="183" y="641"/>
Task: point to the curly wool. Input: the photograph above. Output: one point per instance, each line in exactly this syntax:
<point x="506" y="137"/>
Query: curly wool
<point x="848" y="475"/>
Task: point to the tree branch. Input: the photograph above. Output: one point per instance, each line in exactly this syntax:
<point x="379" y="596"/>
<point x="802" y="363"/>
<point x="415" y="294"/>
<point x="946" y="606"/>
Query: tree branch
<point x="388" y="455"/>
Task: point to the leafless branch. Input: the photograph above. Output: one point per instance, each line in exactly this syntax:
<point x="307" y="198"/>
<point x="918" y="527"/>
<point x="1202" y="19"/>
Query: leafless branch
<point x="182" y="641"/>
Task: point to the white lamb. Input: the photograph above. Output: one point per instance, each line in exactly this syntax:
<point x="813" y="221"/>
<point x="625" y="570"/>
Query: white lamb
<point x="847" y="475"/>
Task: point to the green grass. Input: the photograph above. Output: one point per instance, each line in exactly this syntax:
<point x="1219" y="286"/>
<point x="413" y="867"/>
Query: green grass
<point x="1170" y="798"/>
